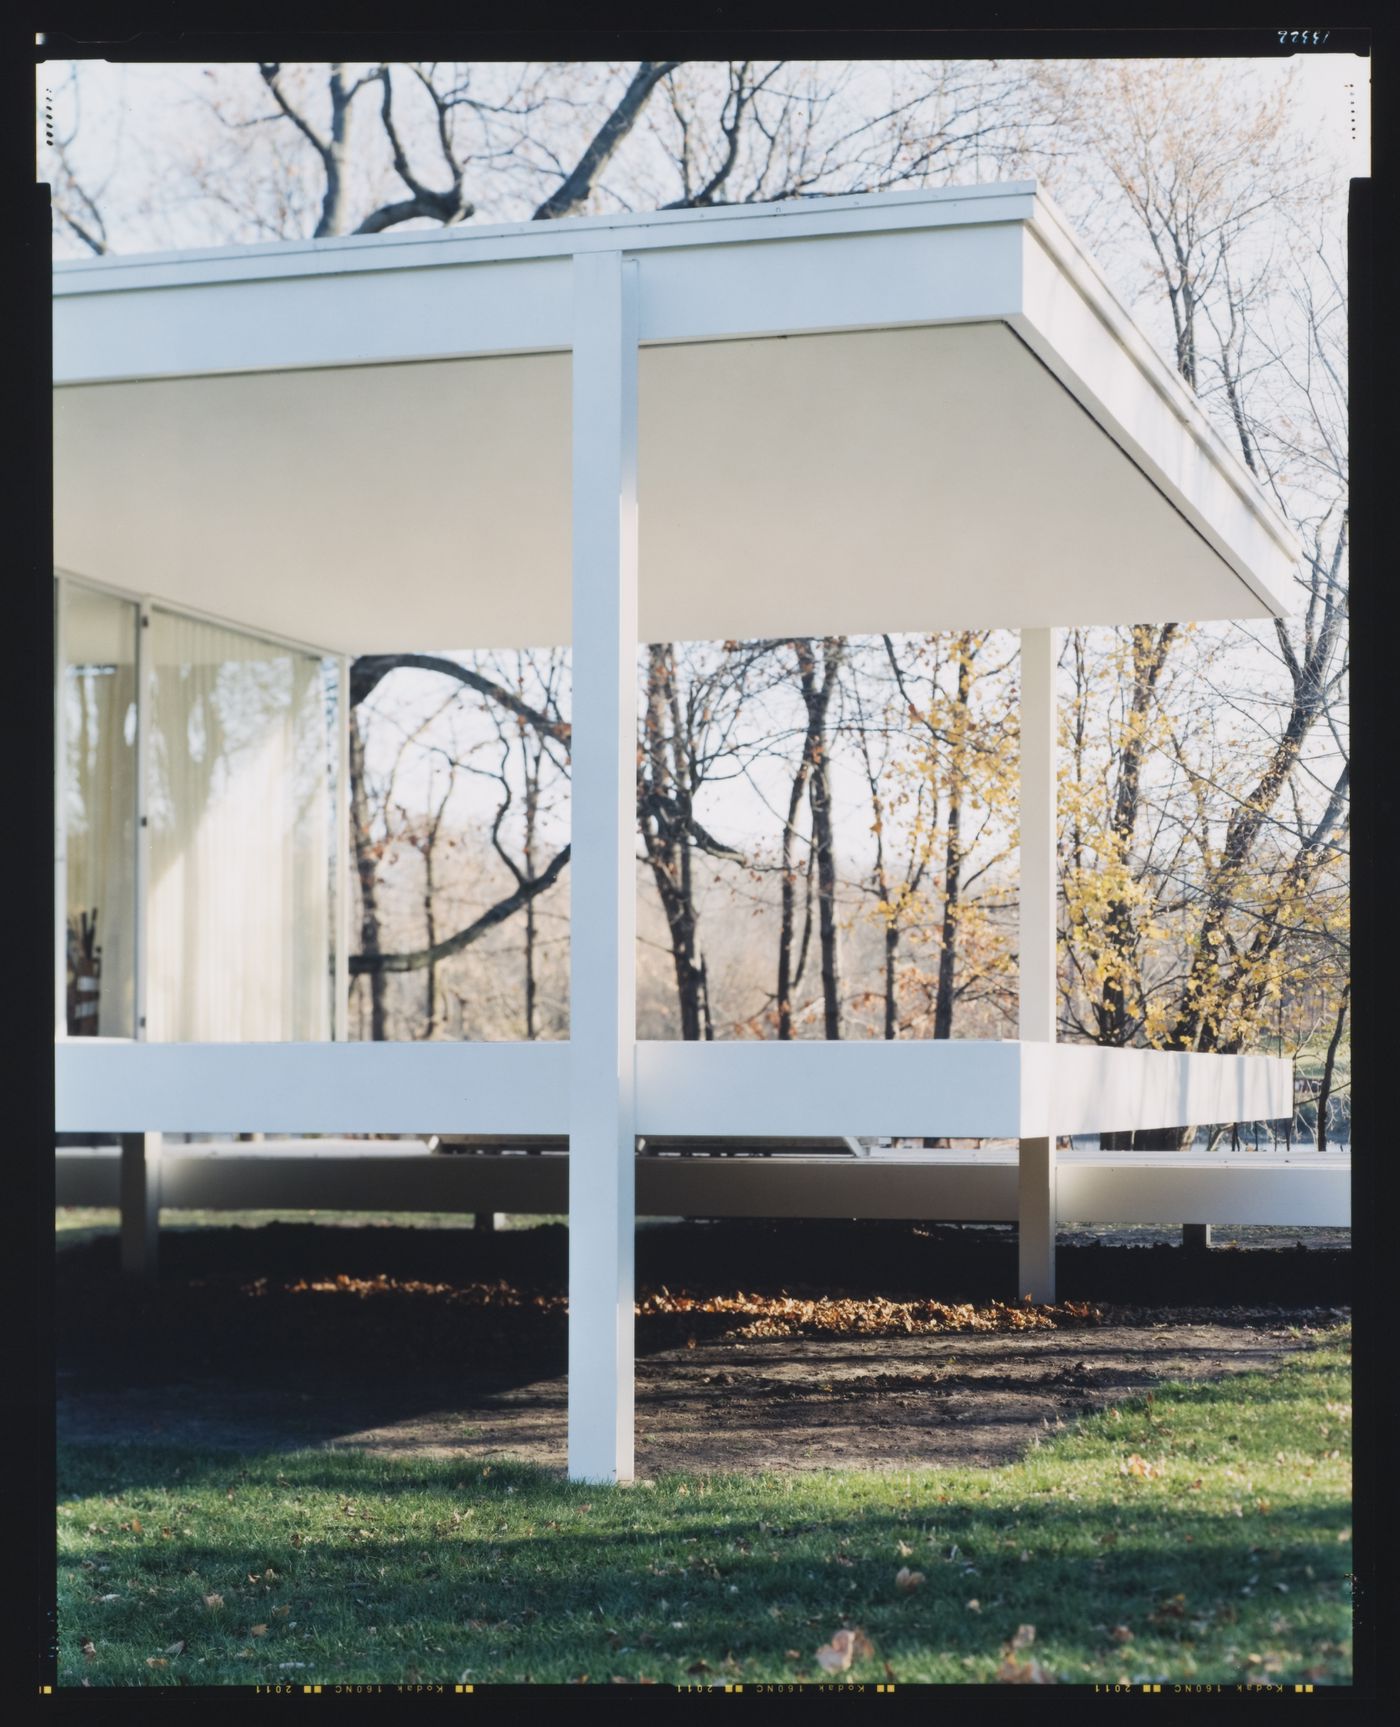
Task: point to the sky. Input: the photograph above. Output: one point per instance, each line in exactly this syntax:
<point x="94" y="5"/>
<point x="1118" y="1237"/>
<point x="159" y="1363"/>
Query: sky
<point x="134" y="102"/>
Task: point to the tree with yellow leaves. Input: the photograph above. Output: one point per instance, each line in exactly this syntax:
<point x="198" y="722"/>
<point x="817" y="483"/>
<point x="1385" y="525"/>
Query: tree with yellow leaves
<point x="1205" y="799"/>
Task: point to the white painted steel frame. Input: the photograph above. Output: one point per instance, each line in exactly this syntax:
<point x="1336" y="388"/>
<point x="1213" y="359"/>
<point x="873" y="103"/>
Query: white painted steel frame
<point x="145" y="673"/>
<point x="603" y="817"/>
<point x="60" y="819"/>
<point x="959" y="1088"/>
<point x="998" y="253"/>
<point x="598" y="288"/>
<point x="343" y="886"/>
<point x="1304" y="1189"/>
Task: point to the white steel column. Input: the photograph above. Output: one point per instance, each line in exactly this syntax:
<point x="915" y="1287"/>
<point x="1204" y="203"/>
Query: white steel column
<point x="340" y="852"/>
<point x="602" y="995"/>
<point x="60" y="822"/>
<point x="145" y="674"/>
<point x="1035" y="1201"/>
<point x="140" y="1171"/>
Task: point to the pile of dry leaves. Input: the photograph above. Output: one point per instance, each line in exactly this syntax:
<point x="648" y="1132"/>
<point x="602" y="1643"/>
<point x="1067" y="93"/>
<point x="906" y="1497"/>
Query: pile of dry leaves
<point x="780" y="1315"/>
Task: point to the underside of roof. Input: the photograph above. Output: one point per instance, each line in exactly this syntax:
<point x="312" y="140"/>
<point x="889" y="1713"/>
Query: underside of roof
<point x="1009" y="470"/>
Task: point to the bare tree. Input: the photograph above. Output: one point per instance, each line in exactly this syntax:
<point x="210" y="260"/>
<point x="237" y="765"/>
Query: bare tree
<point x="693" y="703"/>
<point x="819" y="680"/>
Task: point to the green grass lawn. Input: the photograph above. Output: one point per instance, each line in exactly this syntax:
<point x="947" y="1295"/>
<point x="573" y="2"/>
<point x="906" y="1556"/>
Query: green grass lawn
<point x="1199" y="1536"/>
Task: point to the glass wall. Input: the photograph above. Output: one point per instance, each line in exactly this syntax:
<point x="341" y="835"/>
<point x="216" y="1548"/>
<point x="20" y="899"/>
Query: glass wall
<point x="240" y="836"/>
<point x="97" y="726"/>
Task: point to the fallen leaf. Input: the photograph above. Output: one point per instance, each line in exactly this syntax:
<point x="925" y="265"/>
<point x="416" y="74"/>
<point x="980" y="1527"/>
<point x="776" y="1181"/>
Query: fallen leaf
<point x="156" y="1661"/>
<point x="213" y="1602"/>
<point x="836" y="1656"/>
<point x="257" y="1630"/>
<point x="1025" y="1636"/>
<point x="176" y="1648"/>
<point x="907" y="1580"/>
<point x="88" y="1647"/>
<point x="974" y="1606"/>
<point x="296" y="1541"/>
<point x="1012" y="1672"/>
<point x="904" y="1550"/>
<point x="1121" y="1634"/>
<point x="280" y="1612"/>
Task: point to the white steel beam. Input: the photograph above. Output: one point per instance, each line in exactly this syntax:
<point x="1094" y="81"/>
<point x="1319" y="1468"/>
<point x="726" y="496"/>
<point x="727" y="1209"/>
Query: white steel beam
<point x="961" y="1089"/>
<point x="1038" y="948"/>
<point x="602" y="995"/>
<point x="1303" y="1189"/>
<point x="1108" y="1090"/>
<point x="108" y="1085"/>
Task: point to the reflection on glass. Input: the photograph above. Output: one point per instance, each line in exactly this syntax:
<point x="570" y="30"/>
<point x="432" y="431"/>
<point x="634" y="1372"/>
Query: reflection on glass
<point x="239" y="941"/>
<point x="98" y="634"/>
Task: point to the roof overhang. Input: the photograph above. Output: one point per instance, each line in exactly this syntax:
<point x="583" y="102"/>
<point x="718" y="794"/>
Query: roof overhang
<point x="911" y="412"/>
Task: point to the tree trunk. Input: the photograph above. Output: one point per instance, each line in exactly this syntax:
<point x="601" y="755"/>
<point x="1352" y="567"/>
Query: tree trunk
<point x="818" y="702"/>
<point x="823" y="842"/>
<point x="787" y="918"/>
<point x="430" y="926"/>
<point x="665" y="808"/>
<point x="891" y="979"/>
<point x="1111" y="1010"/>
<point x="953" y="857"/>
<point x="532" y="794"/>
<point x="366" y="868"/>
<point x="1324" y="1090"/>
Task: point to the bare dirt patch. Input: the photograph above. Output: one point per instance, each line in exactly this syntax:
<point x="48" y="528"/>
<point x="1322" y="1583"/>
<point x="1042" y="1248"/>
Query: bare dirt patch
<point x="450" y="1343"/>
<point x="769" y="1404"/>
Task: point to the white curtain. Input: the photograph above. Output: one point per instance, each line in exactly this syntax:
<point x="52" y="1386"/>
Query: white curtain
<point x="98" y="634"/>
<point x="239" y="938"/>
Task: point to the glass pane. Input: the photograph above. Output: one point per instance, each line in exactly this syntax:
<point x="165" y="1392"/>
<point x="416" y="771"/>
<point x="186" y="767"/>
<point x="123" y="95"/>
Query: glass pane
<point x="240" y="834"/>
<point x="98" y="634"/>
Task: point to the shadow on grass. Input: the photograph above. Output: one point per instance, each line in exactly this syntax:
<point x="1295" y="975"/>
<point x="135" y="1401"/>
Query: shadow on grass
<point x="565" y="1598"/>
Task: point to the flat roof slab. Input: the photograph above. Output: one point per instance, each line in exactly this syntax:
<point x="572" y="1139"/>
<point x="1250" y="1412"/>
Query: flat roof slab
<point x="904" y="414"/>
